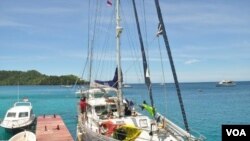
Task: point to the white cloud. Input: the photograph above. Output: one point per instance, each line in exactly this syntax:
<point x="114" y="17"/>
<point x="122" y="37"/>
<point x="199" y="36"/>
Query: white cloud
<point x="192" y="61"/>
<point x="9" y="23"/>
<point x="48" y="10"/>
<point x="210" y="17"/>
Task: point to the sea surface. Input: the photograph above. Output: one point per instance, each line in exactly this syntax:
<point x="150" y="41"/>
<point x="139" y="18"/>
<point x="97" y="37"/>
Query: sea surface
<point x="207" y="106"/>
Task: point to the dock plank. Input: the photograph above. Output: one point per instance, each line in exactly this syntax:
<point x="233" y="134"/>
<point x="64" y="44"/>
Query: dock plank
<point x="52" y="128"/>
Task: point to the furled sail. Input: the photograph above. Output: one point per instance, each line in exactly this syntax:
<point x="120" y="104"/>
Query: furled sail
<point x="110" y="83"/>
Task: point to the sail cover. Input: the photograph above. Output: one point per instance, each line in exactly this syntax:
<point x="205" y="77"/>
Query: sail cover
<point x="110" y="83"/>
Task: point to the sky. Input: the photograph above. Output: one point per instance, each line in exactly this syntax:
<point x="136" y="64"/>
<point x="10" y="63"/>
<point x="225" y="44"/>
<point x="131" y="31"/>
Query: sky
<point x="210" y="40"/>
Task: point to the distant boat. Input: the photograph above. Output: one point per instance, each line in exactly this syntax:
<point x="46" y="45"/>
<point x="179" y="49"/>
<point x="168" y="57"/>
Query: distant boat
<point x="226" y="83"/>
<point x="24" y="136"/>
<point x="19" y="116"/>
<point x="126" y="86"/>
<point x="67" y="86"/>
<point x="162" y="84"/>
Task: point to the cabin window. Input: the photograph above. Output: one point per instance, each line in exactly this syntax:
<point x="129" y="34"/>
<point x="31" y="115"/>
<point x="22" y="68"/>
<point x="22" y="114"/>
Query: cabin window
<point x="143" y="123"/>
<point x="23" y="114"/>
<point x="11" y="114"/>
<point x="113" y="108"/>
<point x="100" y="109"/>
<point x="111" y="94"/>
<point x="98" y="95"/>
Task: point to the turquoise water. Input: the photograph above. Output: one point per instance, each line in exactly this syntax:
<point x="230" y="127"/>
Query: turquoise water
<point x="45" y="99"/>
<point x="207" y="107"/>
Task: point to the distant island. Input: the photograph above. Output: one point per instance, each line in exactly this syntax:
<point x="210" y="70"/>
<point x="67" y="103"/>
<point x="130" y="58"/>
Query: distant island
<point x="33" y="77"/>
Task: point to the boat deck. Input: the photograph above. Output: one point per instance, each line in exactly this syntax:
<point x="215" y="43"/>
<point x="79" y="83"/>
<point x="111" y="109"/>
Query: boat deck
<point x="52" y="128"/>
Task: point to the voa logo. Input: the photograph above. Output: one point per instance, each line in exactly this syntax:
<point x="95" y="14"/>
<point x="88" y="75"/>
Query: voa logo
<point x="236" y="132"/>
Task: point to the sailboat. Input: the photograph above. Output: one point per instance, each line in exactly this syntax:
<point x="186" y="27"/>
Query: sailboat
<point x="111" y="117"/>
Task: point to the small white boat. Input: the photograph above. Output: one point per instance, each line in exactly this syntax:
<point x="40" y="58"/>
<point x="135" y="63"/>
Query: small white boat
<point x="226" y="83"/>
<point x="24" y="136"/>
<point x="126" y="86"/>
<point x="162" y="84"/>
<point x="19" y="116"/>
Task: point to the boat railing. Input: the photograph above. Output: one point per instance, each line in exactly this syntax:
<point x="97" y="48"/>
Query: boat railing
<point x="22" y="104"/>
<point x="198" y="136"/>
<point x="177" y="131"/>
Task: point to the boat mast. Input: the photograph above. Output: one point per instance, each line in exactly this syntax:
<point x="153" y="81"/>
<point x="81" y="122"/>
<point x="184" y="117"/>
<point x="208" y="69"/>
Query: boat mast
<point x="171" y="63"/>
<point x="145" y="64"/>
<point x="118" y="55"/>
<point x="18" y="91"/>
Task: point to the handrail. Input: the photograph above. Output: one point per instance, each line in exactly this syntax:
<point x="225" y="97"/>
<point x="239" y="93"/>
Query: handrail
<point x="17" y="103"/>
<point x="177" y="131"/>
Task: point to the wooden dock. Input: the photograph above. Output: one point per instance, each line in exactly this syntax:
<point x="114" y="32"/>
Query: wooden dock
<point x="52" y="128"/>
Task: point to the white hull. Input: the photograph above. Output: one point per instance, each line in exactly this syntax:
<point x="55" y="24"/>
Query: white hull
<point x="97" y="125"/>
<point x="24" y="136"/>
<point x="226" y="83"/>
<point x="171" y="132"/>
<point x="127" y="86"/>
<point x="17" y="124"/>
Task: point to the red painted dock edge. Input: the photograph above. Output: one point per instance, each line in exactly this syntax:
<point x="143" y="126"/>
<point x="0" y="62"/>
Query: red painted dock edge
<point x="52" y="128"/>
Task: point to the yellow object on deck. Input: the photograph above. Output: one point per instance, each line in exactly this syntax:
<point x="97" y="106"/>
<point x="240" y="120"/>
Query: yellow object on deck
<point x="127" y="133"/>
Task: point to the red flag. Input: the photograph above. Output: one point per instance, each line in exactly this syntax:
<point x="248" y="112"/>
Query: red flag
<point x="109" y="2"/>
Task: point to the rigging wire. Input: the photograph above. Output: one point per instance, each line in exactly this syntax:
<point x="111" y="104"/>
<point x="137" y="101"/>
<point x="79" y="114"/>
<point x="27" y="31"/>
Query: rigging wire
<point x="98" y="26"/>
<point x="88" y="44"/>
<point x="92" y="42"/>
<point x="105" y="45"/>
<point x="145" y="30"/>
<point x="163" y="76"/>
<point x="145" y="23"/>
<point x="102" y="53"/>
<point x="158" y="9"/>
<point x="145" y="64"/>
<point x="134" y="50"/>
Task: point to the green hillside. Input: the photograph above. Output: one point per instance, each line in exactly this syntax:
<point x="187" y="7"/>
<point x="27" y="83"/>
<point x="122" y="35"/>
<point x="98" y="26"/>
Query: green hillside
<point x="33" y="77"/>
